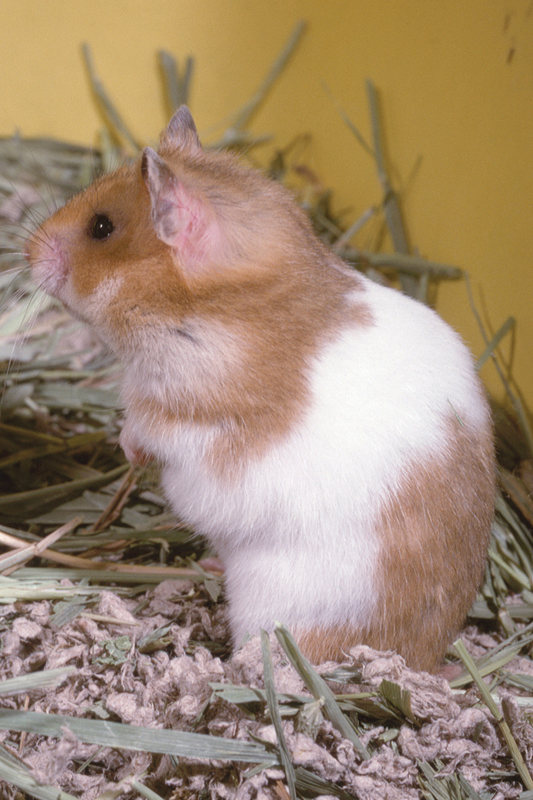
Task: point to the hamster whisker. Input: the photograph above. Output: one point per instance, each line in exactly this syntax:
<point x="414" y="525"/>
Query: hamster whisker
<point x="23" y="199"/>
<point x="19" y="337"/>
<point x="50" y="209"/>
<point x="12" y="288"/>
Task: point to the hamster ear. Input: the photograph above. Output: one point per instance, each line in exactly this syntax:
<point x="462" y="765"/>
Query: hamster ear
<point x="180" y="132"/>
<point x="182" y="219"/>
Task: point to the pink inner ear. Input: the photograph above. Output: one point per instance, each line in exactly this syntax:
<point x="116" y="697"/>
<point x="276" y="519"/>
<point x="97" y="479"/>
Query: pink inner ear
<point x="197" y="240"/>
<point x="183" y="219"/>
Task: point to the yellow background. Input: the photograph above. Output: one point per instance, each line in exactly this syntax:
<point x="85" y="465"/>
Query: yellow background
<point x="456" y="84"/>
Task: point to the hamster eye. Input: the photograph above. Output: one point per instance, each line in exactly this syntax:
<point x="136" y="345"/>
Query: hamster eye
<point x="100" y="227"/>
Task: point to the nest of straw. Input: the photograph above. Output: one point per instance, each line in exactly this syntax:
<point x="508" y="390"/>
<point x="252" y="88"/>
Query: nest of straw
<point x="116" y="671"/>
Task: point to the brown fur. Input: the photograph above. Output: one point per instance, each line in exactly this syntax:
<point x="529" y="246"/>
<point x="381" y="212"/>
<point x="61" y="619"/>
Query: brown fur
<point x="259" y="387"/>
<point x="262" y="391"/>
<point x="434" y="536"/>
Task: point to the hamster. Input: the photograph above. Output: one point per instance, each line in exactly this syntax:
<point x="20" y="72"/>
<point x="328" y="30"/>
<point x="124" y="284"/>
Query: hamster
<point x="327" y="435"/>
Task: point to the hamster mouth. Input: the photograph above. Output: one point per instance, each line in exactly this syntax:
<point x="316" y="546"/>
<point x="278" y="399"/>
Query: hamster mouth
<point x="48" y="264"/>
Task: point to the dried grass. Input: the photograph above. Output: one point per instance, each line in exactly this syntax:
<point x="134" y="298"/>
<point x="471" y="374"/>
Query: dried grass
<point x="131" y="691"/>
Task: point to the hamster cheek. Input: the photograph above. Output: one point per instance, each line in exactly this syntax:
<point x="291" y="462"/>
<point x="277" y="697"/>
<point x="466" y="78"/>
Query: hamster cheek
<point x="95" y="307"/>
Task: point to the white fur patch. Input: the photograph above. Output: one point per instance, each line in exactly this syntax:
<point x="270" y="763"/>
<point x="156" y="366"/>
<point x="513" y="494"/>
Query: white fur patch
<point x="296" y="531"/>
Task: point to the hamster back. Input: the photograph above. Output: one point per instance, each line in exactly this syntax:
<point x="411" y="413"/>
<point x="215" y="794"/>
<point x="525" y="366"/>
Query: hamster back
<point x="329" y="436"/>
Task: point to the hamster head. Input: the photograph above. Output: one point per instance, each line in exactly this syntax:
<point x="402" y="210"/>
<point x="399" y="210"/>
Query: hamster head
<point x="136" y="249"/>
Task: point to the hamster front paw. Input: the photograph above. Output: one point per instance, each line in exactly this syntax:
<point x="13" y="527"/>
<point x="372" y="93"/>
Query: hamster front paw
<point x="134" y="452"/>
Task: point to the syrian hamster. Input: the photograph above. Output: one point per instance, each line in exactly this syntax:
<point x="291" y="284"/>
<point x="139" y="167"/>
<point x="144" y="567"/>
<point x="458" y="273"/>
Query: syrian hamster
<point x="328" y="435"/>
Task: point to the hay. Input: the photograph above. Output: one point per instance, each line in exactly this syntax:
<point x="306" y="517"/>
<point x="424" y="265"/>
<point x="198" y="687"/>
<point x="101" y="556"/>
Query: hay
<point x="131" y="689"/>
